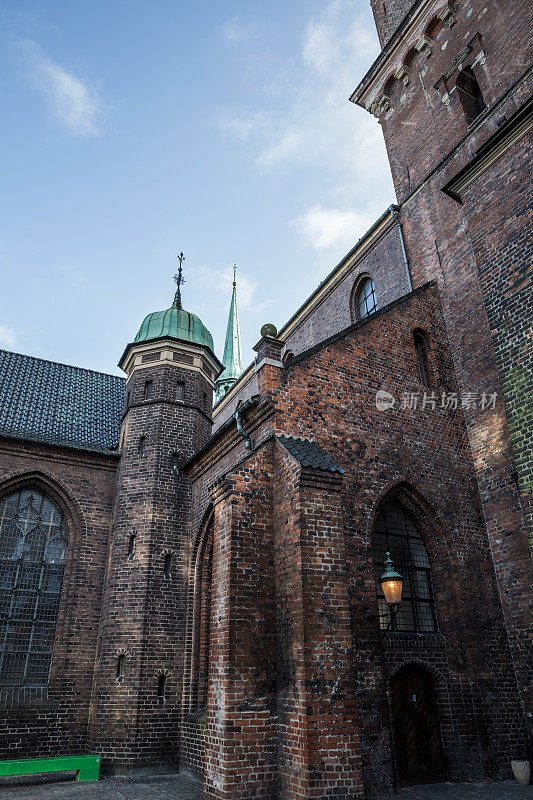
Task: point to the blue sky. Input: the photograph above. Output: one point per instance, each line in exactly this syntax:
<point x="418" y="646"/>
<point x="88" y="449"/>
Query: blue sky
<point x="133" y="130"/>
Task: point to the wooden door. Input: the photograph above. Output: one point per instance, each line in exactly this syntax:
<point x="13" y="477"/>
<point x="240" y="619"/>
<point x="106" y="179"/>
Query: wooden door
<point x="416" y="727"/>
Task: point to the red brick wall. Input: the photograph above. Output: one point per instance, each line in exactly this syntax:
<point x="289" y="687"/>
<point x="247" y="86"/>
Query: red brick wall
<point x="478" y="254"/>
<point x="428" y="450"/>
<point x="388" y="14"/>
<point x="420" y="129"/>
<point x="498" y="211"/>
<point x="241" y="747"/>
<point x="54" y="720"/>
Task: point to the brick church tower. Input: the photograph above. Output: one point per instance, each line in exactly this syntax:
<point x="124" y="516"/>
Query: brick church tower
<point x="171" y="369"/>
<point x="451" y="89"/>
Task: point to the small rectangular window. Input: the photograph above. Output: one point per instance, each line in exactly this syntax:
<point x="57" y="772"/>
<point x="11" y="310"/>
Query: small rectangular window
<point x="180" y="391"/>
<point x="148" y="390"/>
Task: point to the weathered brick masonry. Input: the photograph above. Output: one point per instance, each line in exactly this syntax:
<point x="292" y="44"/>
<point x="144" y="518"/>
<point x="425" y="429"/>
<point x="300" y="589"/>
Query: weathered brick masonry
<point x="477" y="251"/>
<point x="220" y="610"/>
<point x="48" y="720"/>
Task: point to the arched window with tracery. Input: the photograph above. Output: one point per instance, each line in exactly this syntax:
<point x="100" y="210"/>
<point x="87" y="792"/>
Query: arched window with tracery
<point x="364" y="302"/>
<point x="395" y="532"/>
<point x="33" y="550"/>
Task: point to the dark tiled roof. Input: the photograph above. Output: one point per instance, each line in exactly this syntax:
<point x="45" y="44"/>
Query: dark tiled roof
<point x="59" y="404"/>
<point x="309" y="454"/>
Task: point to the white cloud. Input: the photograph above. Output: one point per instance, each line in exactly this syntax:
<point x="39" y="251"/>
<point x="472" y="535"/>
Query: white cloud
<point x="75" y="104"/>
<point x="221" y="280"/>
<point x="233" y="32"/>
<point x="8" y="337"/>
<point x="309" y="124"/>
<point x="331" y="228"/>
<point x="242" y="127"/>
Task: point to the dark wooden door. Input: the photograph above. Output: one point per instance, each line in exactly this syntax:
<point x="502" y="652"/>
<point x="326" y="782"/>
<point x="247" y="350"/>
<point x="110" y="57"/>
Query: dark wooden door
<point x="416" y="727"/>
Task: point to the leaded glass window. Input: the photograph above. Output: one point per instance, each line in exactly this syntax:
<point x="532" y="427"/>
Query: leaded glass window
<point x="396" y="533"/>
<point x="367" y="298"/>
<point x="33" y="549"/>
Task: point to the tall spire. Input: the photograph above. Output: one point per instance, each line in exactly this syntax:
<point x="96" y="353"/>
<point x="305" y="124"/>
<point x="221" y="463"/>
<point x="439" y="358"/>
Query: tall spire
<point x="179" y="280"/>
<point x="232" y="360"/>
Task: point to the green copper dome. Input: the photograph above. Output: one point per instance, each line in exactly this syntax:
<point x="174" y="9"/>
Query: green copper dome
<point x="176" y="323"/>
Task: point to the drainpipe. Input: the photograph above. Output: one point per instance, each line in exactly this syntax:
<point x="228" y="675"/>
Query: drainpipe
<point x="238" y="419"/>
<point x="394" y="211"/>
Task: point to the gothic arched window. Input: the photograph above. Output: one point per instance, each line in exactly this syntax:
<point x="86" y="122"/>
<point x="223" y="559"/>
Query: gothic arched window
<point x="33" y="550"/>
<point x="366" y="298"/>
<point x="395" y="532"/>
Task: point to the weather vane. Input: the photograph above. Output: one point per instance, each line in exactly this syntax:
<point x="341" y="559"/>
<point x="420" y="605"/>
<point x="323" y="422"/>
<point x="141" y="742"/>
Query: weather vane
<point x="234" y="274"/>
<point x="179" y="279"/>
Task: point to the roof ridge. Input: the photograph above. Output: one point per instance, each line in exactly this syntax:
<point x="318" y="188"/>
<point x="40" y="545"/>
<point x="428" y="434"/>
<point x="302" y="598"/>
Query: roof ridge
<point x="62" y="364"/>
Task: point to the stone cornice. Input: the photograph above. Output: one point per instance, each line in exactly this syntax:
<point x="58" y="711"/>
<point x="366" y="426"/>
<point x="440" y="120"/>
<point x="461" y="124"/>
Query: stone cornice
<point x="412" y="34"/>
<point x="197" y="357"/>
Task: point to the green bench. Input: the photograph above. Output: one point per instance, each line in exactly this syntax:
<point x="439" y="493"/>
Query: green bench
<point x="87" y="767"/>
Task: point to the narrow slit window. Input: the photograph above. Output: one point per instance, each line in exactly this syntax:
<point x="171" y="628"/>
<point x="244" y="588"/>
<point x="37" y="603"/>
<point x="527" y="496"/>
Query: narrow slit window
<point x="470" y="95"/>
<point x="132" y="546"/>
<point x="421" y="357"/>
<point x="167" y="566"/>
<point x="120" y="667"/>
<point x="204" y="400"/>
<point x="128" y="397"/>
<point x="161" y="689"/>
<point x="148" y="390"/>
<point x="180" y="392"/>
<point x="141" y="447"/>
<point x="175" y="463"/>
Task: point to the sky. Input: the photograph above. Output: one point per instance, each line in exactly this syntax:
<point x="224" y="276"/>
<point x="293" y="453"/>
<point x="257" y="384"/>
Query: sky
<point x="133" y="130"/>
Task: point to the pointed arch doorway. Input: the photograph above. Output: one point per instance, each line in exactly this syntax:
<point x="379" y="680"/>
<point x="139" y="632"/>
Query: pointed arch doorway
<point x="416" y="727"/>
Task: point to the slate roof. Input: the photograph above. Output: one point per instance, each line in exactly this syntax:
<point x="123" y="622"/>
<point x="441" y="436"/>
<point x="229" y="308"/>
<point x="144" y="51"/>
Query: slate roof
<point x="309" y="454"/>
<point x="59" y="404"/>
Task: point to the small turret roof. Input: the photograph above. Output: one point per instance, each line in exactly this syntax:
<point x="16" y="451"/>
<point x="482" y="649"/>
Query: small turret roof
<point x="175" y="322"/>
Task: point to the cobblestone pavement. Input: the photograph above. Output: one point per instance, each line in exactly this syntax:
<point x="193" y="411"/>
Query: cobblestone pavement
<point x="179" y="788"/>
<point x="506" y="790"/>
<point x="152" y="788"/>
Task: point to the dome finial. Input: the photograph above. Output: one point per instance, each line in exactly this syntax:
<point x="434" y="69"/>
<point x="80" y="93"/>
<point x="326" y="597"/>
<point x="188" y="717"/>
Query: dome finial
<point x="179" y="280"/>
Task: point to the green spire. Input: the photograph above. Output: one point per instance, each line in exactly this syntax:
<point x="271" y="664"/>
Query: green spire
<point x="232" y="360"/>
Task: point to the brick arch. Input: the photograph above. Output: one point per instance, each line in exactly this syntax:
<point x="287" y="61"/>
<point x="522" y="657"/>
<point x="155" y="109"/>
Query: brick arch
<point x="436" y="534"/>
<point x="195" y="644"/>
<point x="356" y="288"/>
<point x="56" y="491"/>
<point x="423" y="513"/>
<point x="439" y="678"/>
<point x="409" y="57"/>
<point x="433" y="28"/>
